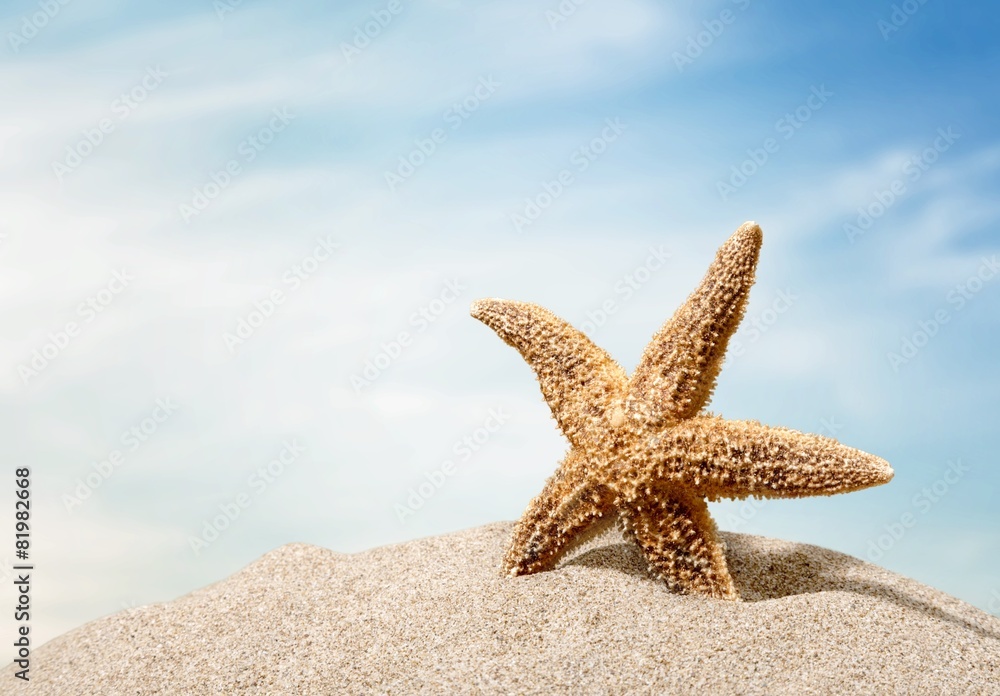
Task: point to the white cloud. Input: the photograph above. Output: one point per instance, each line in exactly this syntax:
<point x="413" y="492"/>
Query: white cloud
<point x="164" y="334"/>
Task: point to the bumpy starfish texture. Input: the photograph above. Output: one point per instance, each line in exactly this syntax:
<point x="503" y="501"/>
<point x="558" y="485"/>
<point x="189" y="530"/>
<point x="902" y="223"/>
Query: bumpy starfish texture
<point x="644" y="453"/>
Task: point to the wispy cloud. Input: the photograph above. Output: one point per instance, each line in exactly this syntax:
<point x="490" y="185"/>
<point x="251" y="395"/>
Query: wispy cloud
<point x="63" y="239"/>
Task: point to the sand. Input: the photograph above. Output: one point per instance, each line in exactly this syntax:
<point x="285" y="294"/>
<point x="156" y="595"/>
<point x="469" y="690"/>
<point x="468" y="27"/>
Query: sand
<point x="434" y="616"/>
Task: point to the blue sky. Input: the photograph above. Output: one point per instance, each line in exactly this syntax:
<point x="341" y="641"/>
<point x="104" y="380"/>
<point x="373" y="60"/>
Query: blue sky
<point x="238" y="207"/>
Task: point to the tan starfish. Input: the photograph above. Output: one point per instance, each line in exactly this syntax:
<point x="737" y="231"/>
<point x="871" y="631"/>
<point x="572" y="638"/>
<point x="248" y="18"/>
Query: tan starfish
<point x="643" y="452"/>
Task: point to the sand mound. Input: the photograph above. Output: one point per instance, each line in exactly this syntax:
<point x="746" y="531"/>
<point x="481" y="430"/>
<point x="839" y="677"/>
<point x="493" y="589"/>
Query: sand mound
<point x="434" y="616"/>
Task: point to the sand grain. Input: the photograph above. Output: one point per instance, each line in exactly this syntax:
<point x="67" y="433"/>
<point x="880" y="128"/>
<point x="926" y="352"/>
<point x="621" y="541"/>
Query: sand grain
<point x="434" y="616"/>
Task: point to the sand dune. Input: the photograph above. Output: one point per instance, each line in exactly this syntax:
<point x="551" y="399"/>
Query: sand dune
<point x="434" y="616"/>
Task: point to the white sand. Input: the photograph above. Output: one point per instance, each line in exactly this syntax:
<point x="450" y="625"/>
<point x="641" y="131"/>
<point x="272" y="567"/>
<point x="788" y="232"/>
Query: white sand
<point x="434" y="616"/>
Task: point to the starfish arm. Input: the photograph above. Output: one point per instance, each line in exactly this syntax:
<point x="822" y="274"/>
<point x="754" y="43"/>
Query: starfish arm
<point x="557" y="519"/>
<point x="679" y="540"/>
<point x="583" y="386"/>
<point x="717" y="458"/>
<point x="678" y="370"/>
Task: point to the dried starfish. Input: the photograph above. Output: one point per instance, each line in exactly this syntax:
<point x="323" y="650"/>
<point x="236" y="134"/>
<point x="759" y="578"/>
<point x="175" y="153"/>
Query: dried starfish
<point x="643" y="452"/>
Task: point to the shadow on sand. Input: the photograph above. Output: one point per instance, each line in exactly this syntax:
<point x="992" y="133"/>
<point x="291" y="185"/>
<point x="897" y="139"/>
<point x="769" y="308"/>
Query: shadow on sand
<point x="763" y="574"/>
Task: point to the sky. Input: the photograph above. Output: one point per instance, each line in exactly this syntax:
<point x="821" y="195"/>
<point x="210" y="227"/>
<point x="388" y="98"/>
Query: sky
<point x="239" y="241"/>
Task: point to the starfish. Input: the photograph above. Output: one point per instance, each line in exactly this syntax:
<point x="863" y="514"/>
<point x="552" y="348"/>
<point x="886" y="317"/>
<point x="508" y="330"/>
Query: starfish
<point x="644" y="453"/>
